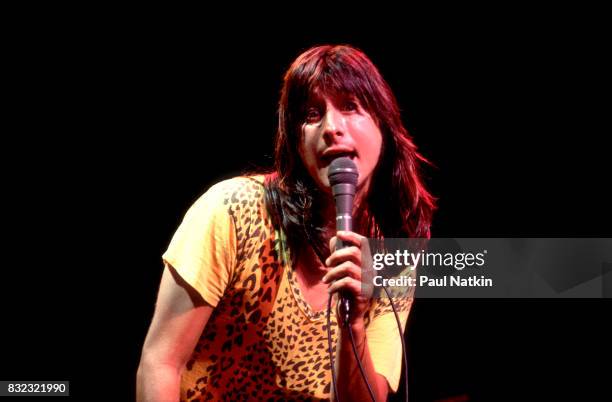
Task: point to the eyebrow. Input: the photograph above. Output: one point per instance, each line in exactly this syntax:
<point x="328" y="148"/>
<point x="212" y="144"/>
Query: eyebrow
<point x="318" y="98"/>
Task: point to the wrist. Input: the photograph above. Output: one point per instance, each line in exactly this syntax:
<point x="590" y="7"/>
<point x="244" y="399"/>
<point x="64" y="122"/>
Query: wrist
<point x="357" y="326"/>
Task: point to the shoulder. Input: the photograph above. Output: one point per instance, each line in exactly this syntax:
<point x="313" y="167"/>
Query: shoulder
<point x="231" y="193"/>
<point x="239" y="202"/>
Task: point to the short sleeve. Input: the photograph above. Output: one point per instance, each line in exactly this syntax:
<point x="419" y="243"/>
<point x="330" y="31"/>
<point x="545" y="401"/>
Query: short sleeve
<point x="203" y="249"/>
<point x="384" y="340"/>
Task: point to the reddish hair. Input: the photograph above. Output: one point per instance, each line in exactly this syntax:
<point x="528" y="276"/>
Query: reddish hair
<point x="397" y="204"/>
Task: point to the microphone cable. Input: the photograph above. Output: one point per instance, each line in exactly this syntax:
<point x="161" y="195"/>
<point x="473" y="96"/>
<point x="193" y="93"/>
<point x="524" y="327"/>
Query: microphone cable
<point x="354" y="347"/>
<point x="330" y="349"/>
<point x="329" y="338"/>
<point x="363" y="374"/>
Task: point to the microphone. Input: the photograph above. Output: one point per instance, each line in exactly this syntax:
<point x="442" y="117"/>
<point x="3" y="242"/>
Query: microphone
<point x="343" y="175"/>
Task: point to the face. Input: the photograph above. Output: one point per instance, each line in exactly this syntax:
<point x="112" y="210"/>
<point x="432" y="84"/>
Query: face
<point x="335" y="127"/>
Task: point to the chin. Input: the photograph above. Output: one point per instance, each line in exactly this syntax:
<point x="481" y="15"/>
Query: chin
<point x="363" y="184"/>
<point x="323" y="184"/>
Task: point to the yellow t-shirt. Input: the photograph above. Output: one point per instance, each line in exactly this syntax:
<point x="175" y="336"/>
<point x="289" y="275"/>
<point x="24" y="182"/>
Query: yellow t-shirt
<point x="263" y="340"/>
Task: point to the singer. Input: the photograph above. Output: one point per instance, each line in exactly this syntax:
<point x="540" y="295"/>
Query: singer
<point x="241" y="309"/>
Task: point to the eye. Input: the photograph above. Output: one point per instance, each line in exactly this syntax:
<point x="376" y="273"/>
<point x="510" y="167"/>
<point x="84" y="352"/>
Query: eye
<point x="350" y="106"/>
<point x="313" y="115"/>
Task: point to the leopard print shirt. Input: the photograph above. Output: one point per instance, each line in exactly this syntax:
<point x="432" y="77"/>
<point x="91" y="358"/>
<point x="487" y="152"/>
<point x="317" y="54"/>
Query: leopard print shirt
<point x="263" y="340"/>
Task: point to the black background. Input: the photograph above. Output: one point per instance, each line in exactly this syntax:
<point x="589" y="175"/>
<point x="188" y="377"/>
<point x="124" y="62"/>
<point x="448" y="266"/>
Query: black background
<point x="117" y="124"/>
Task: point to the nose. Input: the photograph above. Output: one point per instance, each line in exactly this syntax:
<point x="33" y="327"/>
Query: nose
<point x="333" y="125"/>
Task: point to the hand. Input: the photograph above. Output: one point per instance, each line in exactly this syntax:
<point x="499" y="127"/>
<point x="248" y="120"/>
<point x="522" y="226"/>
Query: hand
<point x="350" y="271"/>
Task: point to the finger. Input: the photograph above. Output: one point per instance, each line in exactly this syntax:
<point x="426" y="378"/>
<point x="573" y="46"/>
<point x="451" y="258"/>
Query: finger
<point x="350" y="237"/>
<point x="346" y="284"/>
<point x="332" y="244"/>
<point x="346" y="254"/>
<point x="345" y="269"/>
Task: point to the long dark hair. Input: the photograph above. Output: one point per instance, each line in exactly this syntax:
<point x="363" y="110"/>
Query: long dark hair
<point x="397" y="203"/>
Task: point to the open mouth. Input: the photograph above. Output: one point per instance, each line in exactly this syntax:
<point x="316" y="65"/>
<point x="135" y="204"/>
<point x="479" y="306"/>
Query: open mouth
<point x="328" y="157"/>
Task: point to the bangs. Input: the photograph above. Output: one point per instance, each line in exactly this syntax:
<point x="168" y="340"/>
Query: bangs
<point x="336" y="74"/>
<point x="338" y="84"/>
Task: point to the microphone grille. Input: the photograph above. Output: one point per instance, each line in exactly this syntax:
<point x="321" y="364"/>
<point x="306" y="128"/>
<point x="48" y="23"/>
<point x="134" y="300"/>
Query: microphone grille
<point x="342" y="170"/>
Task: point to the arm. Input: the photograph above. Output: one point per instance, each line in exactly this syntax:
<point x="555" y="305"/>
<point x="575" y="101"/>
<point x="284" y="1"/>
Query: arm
<point x="180" y="317"/>
<point x="345" y="275"/>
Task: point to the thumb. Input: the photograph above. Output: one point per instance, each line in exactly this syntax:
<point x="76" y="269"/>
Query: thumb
<point x="332" y="244"/>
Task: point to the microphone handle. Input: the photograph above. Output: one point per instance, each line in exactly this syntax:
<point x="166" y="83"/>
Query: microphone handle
<point x="344" y="222"/>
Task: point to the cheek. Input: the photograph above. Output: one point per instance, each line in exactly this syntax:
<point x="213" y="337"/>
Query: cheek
<point x="307" y="148"/>
<point x="377" y="142"/>
<point x="372" y="145"/>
